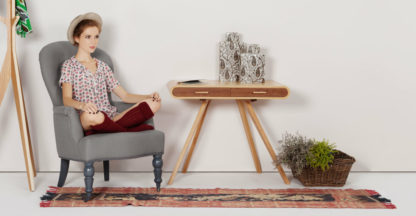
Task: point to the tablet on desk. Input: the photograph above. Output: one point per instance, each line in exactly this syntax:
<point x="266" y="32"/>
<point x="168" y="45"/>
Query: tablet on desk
<point x="195" y="81"/>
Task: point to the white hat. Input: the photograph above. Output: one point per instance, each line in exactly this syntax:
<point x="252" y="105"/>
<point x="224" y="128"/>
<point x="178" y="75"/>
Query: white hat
<point x="78" y="19"/>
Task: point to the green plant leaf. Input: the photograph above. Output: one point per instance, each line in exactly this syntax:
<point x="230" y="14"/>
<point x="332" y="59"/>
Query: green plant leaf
<point x="321" y="155"/>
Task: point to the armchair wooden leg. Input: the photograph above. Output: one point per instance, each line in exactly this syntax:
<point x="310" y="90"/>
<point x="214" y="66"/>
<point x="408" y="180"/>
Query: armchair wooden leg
<point x="89" y="174"/>
<point x="157" y="164"/>
<point x="106" y="165"/>
<point x="63" y="172"/>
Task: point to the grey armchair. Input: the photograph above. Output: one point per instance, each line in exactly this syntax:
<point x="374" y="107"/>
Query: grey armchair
<point x="70" y="140"/>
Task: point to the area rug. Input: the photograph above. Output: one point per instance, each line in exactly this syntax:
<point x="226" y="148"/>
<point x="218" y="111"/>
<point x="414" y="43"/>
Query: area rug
<point x="217" y="198"/>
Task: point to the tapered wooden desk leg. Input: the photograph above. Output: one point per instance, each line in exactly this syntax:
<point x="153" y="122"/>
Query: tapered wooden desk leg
<point x="194" y="140"/>
<point x="249" y="136"/>
<point x="188" y="140"/>
<point x="266" y="140"/>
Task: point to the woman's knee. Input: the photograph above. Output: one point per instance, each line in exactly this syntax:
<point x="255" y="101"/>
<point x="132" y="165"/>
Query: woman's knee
<point x="154" y="105"/>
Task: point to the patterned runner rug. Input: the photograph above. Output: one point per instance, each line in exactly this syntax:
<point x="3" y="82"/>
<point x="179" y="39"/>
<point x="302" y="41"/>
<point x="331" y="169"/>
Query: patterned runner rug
<point x="219" y="198"/>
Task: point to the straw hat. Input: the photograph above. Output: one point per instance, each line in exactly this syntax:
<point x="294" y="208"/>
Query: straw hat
<point x="78" y="19"/>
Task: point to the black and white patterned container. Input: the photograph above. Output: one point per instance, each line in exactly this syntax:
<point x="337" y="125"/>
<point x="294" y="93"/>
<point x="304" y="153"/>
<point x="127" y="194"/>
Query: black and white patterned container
<point x="226" y="62"/>
<point x="233" y="37"/>
<point x="253" y="48"/>
<point x="233" y="67"/>
<point x="230" y="60"/>
<point x="252" y="68"/>
<point x="249" y="48"/>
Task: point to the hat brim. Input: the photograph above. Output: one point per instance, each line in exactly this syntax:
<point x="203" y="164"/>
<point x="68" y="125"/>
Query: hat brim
<point x="78" y="19"/>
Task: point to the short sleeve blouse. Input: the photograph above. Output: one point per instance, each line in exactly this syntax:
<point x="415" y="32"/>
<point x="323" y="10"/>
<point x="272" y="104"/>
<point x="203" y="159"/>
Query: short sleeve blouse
<point x="88" y="87"/>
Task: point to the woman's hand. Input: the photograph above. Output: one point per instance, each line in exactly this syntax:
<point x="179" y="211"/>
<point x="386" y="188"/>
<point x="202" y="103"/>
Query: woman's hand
<point x="90" y="108"/>
<point x="155" y="97"/>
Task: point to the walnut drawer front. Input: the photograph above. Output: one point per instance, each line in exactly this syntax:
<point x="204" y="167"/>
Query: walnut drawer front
<point x="259" y="92"/>
<point x="201" y="92"/>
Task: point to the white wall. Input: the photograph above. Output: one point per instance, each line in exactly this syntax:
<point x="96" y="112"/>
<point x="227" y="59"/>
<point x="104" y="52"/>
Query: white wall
<point x="350" y="66"/>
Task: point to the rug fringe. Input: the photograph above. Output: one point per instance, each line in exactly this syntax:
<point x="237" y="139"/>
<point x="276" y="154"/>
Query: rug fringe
<point x="52" y="189"/>
<point x="45" y="204"/>
<point x="390" y="205"/>
<point x="372" y="192"/>
<point x="386" y="202"/>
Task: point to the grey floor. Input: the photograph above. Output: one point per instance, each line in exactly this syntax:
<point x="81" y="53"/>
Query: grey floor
<point x="15" y="198"/>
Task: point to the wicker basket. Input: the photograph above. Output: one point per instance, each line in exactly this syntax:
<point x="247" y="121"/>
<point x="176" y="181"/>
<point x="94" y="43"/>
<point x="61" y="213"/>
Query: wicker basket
<point x="336" y="175"/>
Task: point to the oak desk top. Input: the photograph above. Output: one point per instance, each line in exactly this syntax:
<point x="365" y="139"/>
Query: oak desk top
<point x="214" y="89"/>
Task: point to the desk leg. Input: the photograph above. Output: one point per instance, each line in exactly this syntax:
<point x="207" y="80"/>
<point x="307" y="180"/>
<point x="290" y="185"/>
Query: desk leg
<point x="188" y="139"/>
<point x="266" y="140"/>
<point x="191" y="150"/>
<point x="249" y="135"/>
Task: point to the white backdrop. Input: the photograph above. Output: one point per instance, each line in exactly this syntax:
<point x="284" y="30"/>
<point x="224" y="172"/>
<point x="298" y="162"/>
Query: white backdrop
<point x="350" y="66"/>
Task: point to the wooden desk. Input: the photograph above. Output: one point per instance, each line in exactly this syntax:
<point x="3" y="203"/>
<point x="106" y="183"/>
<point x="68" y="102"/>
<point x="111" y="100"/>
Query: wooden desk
<point x="243" y="94"/>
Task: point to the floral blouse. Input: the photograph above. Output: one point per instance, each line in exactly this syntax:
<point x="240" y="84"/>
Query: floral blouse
<point x="88" y="87"/>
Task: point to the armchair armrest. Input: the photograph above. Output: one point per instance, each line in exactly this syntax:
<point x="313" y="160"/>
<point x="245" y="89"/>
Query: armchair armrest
<point x="68" y="131"/>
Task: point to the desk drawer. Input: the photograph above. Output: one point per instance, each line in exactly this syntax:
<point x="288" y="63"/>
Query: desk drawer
<point x="259" y="92"/>
<point x="201" y="92"/>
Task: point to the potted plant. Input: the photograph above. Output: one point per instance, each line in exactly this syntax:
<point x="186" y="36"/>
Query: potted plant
<point x="314" y="163"/>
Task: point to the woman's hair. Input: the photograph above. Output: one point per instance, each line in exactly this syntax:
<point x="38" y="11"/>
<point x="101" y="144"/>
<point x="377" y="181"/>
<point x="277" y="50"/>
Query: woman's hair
<point x="82" y="26"/>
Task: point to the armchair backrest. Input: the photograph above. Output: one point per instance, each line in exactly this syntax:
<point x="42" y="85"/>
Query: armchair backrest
<point x="51" y="58"/>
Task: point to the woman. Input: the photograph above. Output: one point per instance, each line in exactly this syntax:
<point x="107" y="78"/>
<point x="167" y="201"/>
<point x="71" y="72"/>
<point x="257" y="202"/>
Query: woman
<point x="85" y="82"/>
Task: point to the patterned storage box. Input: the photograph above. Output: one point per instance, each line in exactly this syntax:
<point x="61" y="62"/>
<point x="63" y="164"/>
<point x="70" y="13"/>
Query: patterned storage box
<point x="252" y="68"/>
<point x="233" y="67"/>
<point x="230" y="57"/>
